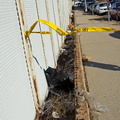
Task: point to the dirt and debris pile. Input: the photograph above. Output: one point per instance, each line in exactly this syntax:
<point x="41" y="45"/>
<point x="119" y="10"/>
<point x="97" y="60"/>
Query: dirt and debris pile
<point x="60" y="103"/>
<point x="62" y="77"/>
<point x="66" y="59"/>
<point x="59" y="106"/>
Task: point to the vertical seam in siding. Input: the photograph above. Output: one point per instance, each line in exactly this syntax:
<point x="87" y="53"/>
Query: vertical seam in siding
<point x="24" y="48"/>
<point x="33" y="77"/>
<point x="58" y="3"/>
<point x="41" y="35"/>
<point x="55" y="23"/>
<point x="48" y="16"/>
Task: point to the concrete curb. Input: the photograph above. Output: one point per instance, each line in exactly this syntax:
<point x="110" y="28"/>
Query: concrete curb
<point x="82" y="110"/>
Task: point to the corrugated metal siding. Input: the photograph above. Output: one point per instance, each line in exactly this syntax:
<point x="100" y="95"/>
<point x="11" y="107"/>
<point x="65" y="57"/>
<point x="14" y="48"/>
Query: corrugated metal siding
<point x="16" y="94"/>
<point x="66" y="8"/>
<point x="61" y="13"/>
<point x="60" y="17"/>
<point x="54" y="34"/>
<point x="46" y="38"/>
<point x="57" y="20"/>
<point x="17" y="97"/>
<point x="37" y="48"/>
<point x="66" y="13"/>
<point x="64" y="16"/>
<point x="36" y="41"/>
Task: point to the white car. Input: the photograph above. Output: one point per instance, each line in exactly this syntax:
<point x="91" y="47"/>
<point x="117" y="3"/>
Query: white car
<point x="101" y="8"/>
<point x="78" y="3"/>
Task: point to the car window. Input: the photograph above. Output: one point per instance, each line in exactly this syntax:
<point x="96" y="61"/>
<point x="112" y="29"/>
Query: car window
<point x="90" y="4"/>
<point x="103" y="5"/>
<point x="112" y="1"/>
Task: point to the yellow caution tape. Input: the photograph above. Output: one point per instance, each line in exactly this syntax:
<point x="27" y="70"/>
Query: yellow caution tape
<point x="62" y="32"/>
<point x="54" y="27"/>
<point x="27" y="33"/>
<point x="48" y="23"/>
<point x="42" y="32"/>
<point x="96" y="29"/>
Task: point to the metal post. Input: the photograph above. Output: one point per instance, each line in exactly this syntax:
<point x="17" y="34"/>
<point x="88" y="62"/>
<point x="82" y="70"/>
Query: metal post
<point x="92" y="11"/>
<point x="108" y="6"/>
<point x="85" y="6"/>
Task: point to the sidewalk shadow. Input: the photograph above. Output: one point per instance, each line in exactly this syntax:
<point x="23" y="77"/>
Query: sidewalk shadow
<point x="102" y="65"/>
<point x="99" y="19"/>
<point x="116" y="34"/>
<point x="102" y="17"/>
<point x="86" y="13"/>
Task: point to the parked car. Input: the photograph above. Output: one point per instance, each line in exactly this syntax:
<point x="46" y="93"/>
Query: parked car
<point x="89" y="4"/>
<point x="92" y="8"/>
<point x="77" y="3"/>
<point x="113" y="1"/>
<point x="87" y="1"/>
<point x="115" y="11"/>
<point x="101" y="8"/>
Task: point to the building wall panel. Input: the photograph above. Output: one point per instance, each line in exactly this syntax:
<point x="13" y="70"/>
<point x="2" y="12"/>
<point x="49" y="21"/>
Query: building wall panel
<point x="46" y="38"/>
<point x="57" y="20"/>
<point x="37" y="46"/>
<point x="16" y="95"/>
<point x="54" y="34"/>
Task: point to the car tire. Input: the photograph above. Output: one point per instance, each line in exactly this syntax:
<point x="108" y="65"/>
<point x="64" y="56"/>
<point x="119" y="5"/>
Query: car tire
<point x="111" y="17"/>
<point x="98" y="13"/>
<point x="117" y="18"/>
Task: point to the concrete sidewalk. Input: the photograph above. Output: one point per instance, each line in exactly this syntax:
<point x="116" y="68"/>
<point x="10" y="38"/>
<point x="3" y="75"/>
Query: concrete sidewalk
<point x="103" y="69"/>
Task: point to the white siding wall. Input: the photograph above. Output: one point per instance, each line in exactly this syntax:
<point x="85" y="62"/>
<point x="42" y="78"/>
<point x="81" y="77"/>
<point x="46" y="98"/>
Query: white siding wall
<point x="57" y="20"/>
<point x="54" y="34"/>
<point x="16" y="100"/>
<point x="61" y="13"/>
<point x="46" y="38"/>
<point x="37" y="48"/>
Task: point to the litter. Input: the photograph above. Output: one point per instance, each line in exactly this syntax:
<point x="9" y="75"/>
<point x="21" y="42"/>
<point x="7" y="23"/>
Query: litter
<point x="66" y="59"/>
<point x="59" y="107"/>
<point x="68" y="38"/>
<point x="60" y="102"/>
<point x="95" y="107"/>
<point x="58" y="79"/>
<point x="55" y="114"/>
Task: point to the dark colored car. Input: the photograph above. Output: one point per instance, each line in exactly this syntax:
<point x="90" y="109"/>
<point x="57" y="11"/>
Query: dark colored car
<point x="113" y="1"/>
<point x="115" y="11"/>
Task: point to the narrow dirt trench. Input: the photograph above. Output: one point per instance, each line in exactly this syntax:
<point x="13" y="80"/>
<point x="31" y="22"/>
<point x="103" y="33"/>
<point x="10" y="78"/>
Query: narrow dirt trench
<point x="66" y="82"/>
<point x="60" y="103"/>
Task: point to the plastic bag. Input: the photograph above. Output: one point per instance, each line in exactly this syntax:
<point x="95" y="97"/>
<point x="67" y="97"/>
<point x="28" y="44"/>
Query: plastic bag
<point x="58" y="79"/>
